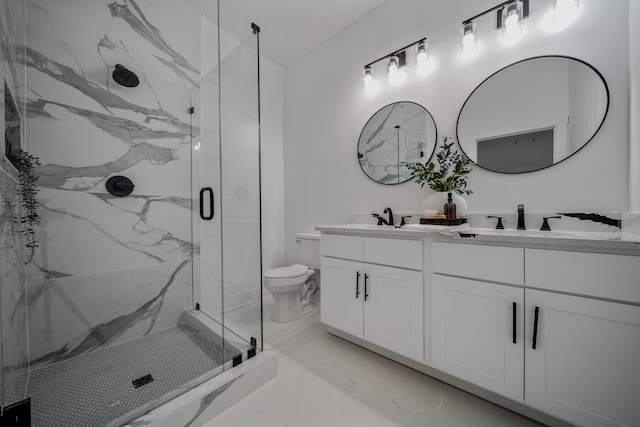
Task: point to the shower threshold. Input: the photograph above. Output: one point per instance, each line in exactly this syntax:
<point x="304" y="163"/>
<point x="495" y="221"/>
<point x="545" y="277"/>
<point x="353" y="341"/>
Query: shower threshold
<point x="119" y="383"/>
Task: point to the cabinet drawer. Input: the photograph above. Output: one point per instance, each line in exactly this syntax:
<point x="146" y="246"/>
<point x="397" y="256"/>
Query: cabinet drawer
<point x="339" y="246"/>
<point x="600" y="275"/>
<point x="493" y="263"/>
<point x="393" y="252"/>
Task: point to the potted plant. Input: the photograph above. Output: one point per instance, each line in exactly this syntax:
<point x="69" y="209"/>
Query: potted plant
<point x="26" y="163"/>
<point x="448" y="175"/>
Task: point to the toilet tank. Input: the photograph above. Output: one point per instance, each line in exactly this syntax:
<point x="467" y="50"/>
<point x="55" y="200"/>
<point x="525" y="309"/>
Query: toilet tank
<point x="308" y="250"/>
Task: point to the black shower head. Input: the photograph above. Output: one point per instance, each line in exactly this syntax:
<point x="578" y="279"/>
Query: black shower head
<point x="125" y="77"/>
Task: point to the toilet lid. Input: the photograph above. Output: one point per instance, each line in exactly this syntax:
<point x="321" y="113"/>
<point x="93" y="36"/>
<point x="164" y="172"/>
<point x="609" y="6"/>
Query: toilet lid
<point x="286" y="272"/>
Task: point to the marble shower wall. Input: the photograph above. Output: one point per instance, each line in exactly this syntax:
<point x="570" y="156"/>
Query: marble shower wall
<point x="13" y="313"/>
<point x="109" y="268"/>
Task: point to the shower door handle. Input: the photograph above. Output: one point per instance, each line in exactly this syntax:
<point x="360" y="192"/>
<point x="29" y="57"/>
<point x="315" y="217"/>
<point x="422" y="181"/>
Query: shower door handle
<point x="202" y="215"/>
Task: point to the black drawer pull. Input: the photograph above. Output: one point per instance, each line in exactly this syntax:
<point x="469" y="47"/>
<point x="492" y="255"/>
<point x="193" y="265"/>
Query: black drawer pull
<point x="514" y="323"/>
<point x="366" y="294"/>
<point x="535" y="328"/>
<point x="357" y="284"/>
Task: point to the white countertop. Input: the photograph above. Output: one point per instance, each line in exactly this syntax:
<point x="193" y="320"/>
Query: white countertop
<point x="595" y="240"/>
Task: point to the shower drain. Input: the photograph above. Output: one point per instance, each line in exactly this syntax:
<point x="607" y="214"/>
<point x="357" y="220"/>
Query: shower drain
<point x="142" y="381"/>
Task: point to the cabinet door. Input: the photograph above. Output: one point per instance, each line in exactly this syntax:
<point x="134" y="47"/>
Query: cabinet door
<point x="473" y="333"/>
<point x="342" y="295"/>
<point x="586" y="364"/>
<point x="393" y="310"/>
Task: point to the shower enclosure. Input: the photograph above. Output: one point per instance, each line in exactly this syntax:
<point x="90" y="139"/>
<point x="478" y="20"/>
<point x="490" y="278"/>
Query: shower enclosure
<point x="137" y="357"/>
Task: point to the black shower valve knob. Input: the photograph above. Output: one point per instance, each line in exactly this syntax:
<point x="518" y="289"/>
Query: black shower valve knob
<point x="119" y="186"/>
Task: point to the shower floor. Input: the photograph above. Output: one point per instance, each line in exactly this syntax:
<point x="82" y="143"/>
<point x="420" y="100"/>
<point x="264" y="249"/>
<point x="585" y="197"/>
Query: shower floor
<point x="96" y="388"/>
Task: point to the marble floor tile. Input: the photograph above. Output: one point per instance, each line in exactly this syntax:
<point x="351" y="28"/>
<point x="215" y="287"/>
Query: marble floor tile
<point x="324" y="380"/>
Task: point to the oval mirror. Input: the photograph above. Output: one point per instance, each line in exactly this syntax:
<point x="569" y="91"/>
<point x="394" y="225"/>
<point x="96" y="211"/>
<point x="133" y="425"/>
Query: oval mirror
<point x="533" y="114"/>
<point x="399" y="132"/>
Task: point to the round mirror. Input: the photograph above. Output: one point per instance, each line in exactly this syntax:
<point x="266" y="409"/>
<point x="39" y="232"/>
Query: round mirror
<point x="400" y="132"/>
<point x="533" y="114"/>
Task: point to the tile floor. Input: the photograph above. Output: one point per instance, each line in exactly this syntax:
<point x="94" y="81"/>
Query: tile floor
<point x="326" y="381"/>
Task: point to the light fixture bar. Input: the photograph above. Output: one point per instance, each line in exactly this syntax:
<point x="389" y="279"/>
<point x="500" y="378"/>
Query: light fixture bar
<point x="395" y="52"/>
<point x="499" y="9"/>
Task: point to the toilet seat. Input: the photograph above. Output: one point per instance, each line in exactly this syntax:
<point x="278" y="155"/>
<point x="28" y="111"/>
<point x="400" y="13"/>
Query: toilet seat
<point x="289" y="272"/>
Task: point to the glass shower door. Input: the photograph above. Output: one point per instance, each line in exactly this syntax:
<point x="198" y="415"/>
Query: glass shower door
<point x="226" y="186"/>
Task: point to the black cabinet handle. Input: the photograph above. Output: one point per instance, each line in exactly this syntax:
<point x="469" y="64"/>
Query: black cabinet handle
<point x="357" y="284"/>
<point x="535" y="328"/>
<point x="202" y="215"/>
<point x="366" y="276"/>
<point x="514" y="323"/>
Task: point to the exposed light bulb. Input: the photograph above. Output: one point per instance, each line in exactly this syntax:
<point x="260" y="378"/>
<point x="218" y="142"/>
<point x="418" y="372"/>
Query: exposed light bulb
<point x="392" y="66"/>
<point x="370" y="85"/>
<point x="396" y="75"/>
<point x="512" y="21"/>
<point x="565" y="10"/>
<point x="368" y="78"/>
<point x="422" y="59"/>
<point x="469" y="42"/>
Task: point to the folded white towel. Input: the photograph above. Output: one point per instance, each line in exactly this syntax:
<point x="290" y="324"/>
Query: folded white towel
<point x="446" y="230"/>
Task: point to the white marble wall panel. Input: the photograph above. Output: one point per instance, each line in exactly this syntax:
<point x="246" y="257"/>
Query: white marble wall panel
<point x="13" y="309"/>
<point x="104" y="262"/>
<point x="72" y="315"/>
<point x="568" y="221"/>
<point x="12" y="40"/>
<point x="631" y="223"/>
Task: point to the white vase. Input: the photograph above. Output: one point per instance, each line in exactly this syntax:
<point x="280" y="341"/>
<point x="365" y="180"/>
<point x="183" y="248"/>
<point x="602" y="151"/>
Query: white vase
<point x="436" y="201"/>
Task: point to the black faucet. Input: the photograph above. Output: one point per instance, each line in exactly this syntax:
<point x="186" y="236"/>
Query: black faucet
<point x="545" y="222"/>
<point x="521" y="218"/>
<point x="388" y="211"/>
<point x="381" y="221"/>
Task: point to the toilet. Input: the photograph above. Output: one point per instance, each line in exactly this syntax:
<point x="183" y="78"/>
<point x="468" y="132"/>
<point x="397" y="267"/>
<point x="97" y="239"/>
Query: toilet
<point x="292" y="286"/>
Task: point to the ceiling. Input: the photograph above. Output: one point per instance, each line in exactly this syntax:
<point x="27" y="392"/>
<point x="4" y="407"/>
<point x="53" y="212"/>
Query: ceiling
<point x="292" y="28"/>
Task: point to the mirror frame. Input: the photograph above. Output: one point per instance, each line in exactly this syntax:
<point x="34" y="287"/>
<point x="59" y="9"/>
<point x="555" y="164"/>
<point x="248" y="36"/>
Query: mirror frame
<point x="606" y="111"/>
<point x="435" y="145"/>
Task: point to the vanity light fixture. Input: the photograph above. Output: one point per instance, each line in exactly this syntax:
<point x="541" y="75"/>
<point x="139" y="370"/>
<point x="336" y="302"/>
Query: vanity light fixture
<point x="368" y="79"/>
<point x="565" y="10"/>
<point x="422" y="58"/>
<point x="512" y="19"/>
<point x="393" y="67"/>
<point x="396" y="62"/>
<point x="395" y="74"/>
<point x="469" y="40"/>
<point x="509" y="18"/>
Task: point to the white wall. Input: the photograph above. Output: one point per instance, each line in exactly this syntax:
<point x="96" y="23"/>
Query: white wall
<point x="326" y="107"/>
<point x="634" y="152"/>
<point x="271" y="136"/>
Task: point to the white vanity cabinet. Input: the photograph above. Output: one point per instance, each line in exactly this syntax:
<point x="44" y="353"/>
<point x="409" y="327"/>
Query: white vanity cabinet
<point x="584" y="365"/>
<point x="372" y="288"/>
<point x="477" y="309"/>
